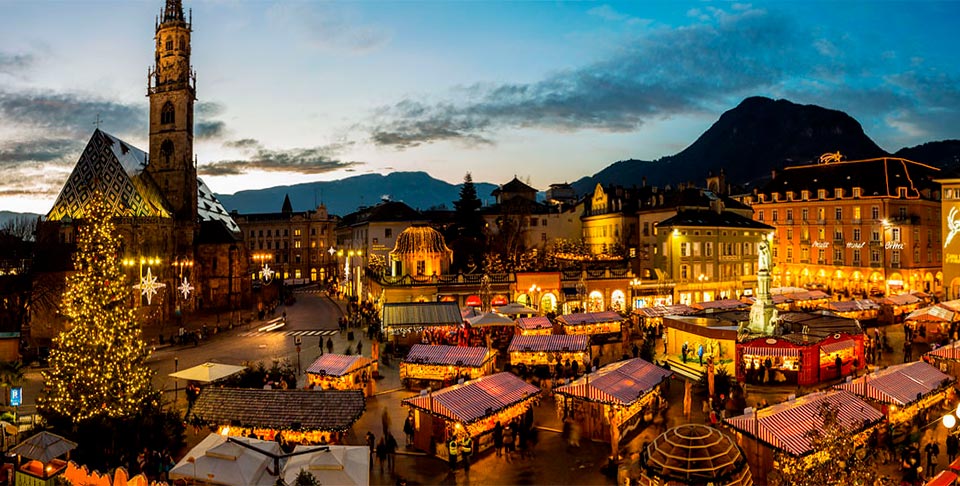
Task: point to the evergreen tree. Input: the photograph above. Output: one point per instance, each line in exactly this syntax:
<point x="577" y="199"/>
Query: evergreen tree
<point x="466" y="238"/>
<point x="98" y="365"/>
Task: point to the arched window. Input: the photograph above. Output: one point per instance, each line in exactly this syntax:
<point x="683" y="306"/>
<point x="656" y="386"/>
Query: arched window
<point x="169" y="43"/>
<point x="183" y="43"/>
<point x="166" y="151"/>
<point x="167" y="113"/>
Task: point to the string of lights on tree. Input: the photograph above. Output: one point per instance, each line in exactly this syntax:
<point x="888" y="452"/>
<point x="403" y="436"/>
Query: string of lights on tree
<point x="97" y="365"/>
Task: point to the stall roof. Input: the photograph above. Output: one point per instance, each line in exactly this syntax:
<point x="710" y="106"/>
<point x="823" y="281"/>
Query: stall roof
<point x="777" y="299"/>
<point x="785" y="426"/>
<point x="900" y="299"/>
<point x="722" y="304"/>
<point x="950" y="351"/>
<point x="533" y="323"/>
<point x="44" y="447"/>
<point x="334" y="464"/>
<point x="421" y="314"/>
<point x="933" y="313"/>
<point x="475" y="399"/>
<point x="899" y="384"/>
<point x="327" y="410"/>
<point x="665" y="310"/>
<point x="208" y="372"/>
<point x="589" y="318"/>
<point x="216" y="460"/>
<point x="515" y="308"/>
<point x="337" y="364"/>
<point x="447" y="355"/>
<point x="851" y="305"/>
<point x="798" y="294"/>
<point x="953" y="305"/>
<point x="943" y="478"/>
<point x="490" y="319"/>
<point x="819" y="324"/>
<point x="550" y="343"/>
<point x="621" y="383"/>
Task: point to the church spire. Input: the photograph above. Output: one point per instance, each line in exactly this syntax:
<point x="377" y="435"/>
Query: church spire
<point x="173" y="11"/>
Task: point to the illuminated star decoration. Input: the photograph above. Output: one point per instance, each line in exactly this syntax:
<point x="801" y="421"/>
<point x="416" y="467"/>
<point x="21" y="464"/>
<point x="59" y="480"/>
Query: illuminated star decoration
<point x="185" y="288"/>
<point x="267" y="273"/>
<point x="331" y="251"/>
<point x="149" y="286"/>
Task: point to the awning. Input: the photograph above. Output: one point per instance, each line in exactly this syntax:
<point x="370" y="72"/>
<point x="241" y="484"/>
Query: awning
<point x="762" y="351"/>
<point x="473" y="301"/>
<point x="208" y="372"/>
<point x="944" y="478"/>
<point x="499" y="300"/>
<point x="899" y="384"/>
<point x="837" y="346"/>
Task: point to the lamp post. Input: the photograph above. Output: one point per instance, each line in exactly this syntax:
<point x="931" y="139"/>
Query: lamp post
<point x="534" y="292"/>
<point x="140" y="262"/>
<point x="884" y="224"/>
<point x="635" y="285"/>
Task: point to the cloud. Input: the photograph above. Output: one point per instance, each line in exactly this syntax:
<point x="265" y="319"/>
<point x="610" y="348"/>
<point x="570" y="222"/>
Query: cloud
<point x="14" y="153"/>
<point x="207" y="127"/>
<point x="669" y="72"/>
<point x="312" y="160"/>
<point x="606" y="12"/>
<point x="14" y="64"/>
<point x="71" y="114"/>
<point x="330" y="26"/>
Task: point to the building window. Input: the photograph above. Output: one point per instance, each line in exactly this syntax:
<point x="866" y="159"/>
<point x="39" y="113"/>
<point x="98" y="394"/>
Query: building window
<point x="895" y="234"/>
<point x="684" y="249"/>
<point x="804" y="195"/>
<point x="856" y="234"/>
<point x="821" y="234"/>
<point x="804" y="254"/>
<point x="253" y="233"/>
<point x="838" y="255"/>
<point x="902" y="212"/>
<point x="534" y="222"/>
<point x="874" y="256"/>
<point x="313" y="232"/>
<point x="775" y="253"/>
<point x="296" y="232"/>
<point x="916" y="255"/>
<point x="760" y="215"/>
<point x="166" y="152"/>
<point x="286" y="232"/>
<point x="696" y="248"/>
<point x="856" y="257"/>
<point x="789" y="234"/>
<point x="790" y="215"/>
<point x="270" y="233"/>
<point x="684" y="272"/>
<point x="708" y="249"/>
<point x="774" y="215"/>
<point x="821" y="193"/>
<point x="857" y="191"/>
<point x="789" y="254"/>
<point x="838" y="234"/>
<point x="296" y="244"/>
<point x="269" y="245"/>
<point x="821" y="214"/>
<point x="421" y="267"/>
<point x="169" y="43"/>
<point x="875" y="212"/>
<point x="875" y="235"/>
<point x="856" y="213"/>
<point x="167" y="113"/>
<point x="895" y="257"/>
<point x="821" y="256"/>
<point x="388" y="233"/>
<point x="838" y="213"/>
<point x="838" y="193"/>
<point x="804" y="214"/>
<point x="805" y="234"/>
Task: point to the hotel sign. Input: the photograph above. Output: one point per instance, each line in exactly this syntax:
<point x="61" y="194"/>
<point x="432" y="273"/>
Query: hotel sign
<point x="821" y="244"/>
<point x="894" y="245"/>
<point x="858" y="245"/>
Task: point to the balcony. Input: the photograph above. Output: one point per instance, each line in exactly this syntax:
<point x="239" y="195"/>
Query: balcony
<point x="838" y="263"/>
<point x="857" y="221"/>
<point x="894" y="264"/>
<point x="821" y="222"/>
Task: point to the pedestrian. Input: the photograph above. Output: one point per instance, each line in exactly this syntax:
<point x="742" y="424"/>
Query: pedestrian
<point x="683" y="352"/>
<point x="953" y="447"/>
<point x="321" y="345"/>
<point x="391" y="444"/>
<point x="636" y="350"/>
<point x="385" y="421"/>
<point x="664" y="342"/>
<point x="933" y="450"/>
<point x="839" y="363"/>
<point x="508" y="441"/>
<point x="371" y="443"/>
<point x="166" y="464"/>
<point x="700" y="353"/>
<point x="408" y="429"/>
<point x="907" y="351"/>
<point x="381" y="453"/>
<point x="466" y="450"/>
<point x="453" y="450"/>
<point x="574" y="368"/>
<point x="359" y="347"/>
<point x="329" y="345"/>
<point x="498" y="438"/>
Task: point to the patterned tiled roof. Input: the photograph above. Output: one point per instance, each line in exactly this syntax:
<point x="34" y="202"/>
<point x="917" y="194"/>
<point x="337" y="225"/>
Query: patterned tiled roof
<point x="590" y="318"/>
<point x="550" y="343"/>
<point x="326" y="410"/>
<point x="337" y="364"/>
<point x="621" y="383"/>
<point x="447" y="355"/>
<point x="210" y="209"/>
<point x="475" y="399"/>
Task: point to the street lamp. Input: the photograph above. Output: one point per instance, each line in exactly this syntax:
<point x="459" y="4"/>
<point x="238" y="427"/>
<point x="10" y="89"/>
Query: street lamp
<point x="635" y="285"/>
<point x="146" y="288"/>
<point x="534" y="296"/>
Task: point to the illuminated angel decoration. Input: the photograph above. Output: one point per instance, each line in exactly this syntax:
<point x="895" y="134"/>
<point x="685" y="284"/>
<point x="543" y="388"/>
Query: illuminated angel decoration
<point x="953" y="225"/>
<point x="149" y="286"/>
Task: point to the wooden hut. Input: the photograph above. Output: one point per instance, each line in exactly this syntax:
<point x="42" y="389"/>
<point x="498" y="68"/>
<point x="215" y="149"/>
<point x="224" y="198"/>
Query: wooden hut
<point x="864" y="310"/>
<point x="692" y="454"/>
<point x="785" y="427"/>
<point x="409" y="323"/>
<point x="341" y="372"/>
<point x="473" y="408"/>
<point x="302" y="416"/>
<point x="895" y="308"/>
<point x="42" y="458"/>
<point x="720" y="305"/>
<point x="547" y="350"/>
<point x="440" y="366"/>
<point x="614" y="400"/>
<point x="598" y="325"/>
<point x="930" y="324"/>
<point x="534" y="326"/>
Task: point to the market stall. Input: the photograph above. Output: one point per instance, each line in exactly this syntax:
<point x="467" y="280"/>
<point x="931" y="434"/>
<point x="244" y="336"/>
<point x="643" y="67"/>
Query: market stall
<point x="490" y="329"/>
<point x="946" y="358"/>
<point x="799" y="299"/>
<point x="409" y="323"/>
<point x="534" y="326"/>
<point x="42" y="459"/>
<point x="218" y="460"/>
<point x="339" y="465"/>
<point x="440" y="366"/>
<point x="473" y="408"/>
<point x="615" y="400"/>
<point x="653" y="316"/>
<point x="930" y="324"/>
<point x="902" y="391"/>
<point x="720" y="305"/>
<point x="597" y="325"/>
<point x="786" y="427"/>
<point x="895" y="308"/>
<point x="547" y="350"/>
<point x="340" y="372"/>
<point x="301" y="416"/>
<point x="798" y="359"/>
<point x="715" y="333"/>
<point x="864" y="310"/>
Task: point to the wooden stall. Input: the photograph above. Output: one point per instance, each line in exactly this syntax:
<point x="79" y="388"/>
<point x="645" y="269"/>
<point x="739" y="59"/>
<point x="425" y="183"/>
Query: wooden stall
<point x="547" y="350"/>
<point x="409" y="323"/>
<point x="340" y="372"/>
<point x="301" y="416"/>
<point x="864" y="310"/>
<point x="946" y="358"/>
<point x="895" y="308"/>
<point x="716" y="333"/>
<point x="490" y="329"/>
<point x="615" y="400"/>
<point x="439" y="366"/>
<point x="799" y="299"/>
<point x="720" y="305"/>
<point x="473" y="408"/>
<point x="785" y="427"/>
<point x="534" y="326"/>
<point x="598" y="325"/>
<point x="42" y="459"/>
<point x="930" y="324"/>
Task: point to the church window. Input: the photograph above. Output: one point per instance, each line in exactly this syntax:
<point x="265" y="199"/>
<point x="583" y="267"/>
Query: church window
<point x="169" y="43"/>
<point x="166" y="151"/>
<point x="167" y="113"/>
<point x="183" y="43"/>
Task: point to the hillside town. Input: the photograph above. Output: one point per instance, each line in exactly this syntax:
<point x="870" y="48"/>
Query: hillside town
<point x="801" y="331"/>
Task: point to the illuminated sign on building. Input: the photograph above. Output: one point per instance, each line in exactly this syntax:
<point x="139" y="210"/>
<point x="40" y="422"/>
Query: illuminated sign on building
<point x="857" y="245"/>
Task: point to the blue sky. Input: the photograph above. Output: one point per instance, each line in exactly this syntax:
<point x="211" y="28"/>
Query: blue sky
<point x="297" y="91"/>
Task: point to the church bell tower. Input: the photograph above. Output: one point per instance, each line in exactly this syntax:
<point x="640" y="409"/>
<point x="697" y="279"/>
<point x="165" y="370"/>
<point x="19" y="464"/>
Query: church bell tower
<point x="171" y="87"/>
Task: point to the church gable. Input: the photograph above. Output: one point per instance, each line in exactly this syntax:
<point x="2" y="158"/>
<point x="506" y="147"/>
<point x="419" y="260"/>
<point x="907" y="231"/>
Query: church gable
<point x="115" y="169"/>
<point x="210" y="209"/>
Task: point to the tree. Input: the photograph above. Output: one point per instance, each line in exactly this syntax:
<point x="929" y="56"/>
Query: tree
<point x="304" y="478"/>
<point x="833" y="459"/>
<point x="466" y="236"/>
<point x="98" y="365"/>
<point x="22" y="228"/>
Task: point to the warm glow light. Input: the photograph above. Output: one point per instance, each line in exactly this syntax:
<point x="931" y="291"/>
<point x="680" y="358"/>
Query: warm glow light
<point x="949" y="421"/>
<point x="225" y="431"/>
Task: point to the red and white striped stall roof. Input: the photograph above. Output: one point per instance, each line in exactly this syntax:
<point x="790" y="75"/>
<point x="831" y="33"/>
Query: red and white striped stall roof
<point x="837" y="346"/>
<point x="447" y="355"/>
<point x="950" y="351"/>
<point x="534" y="323"/>
<point x="899" y="384"/>
<point x="590" y="318"/>
<point x="550" y="343"/>
<point x="620" y="383"/>
<point x="666" y="310"/>
<point x="785" y="426"/>
<point x="337" y="364"/>
<point x="475" y="399"/>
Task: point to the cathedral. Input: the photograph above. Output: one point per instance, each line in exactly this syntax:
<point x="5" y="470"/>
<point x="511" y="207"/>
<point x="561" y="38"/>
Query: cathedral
<point x="181" y="248"/>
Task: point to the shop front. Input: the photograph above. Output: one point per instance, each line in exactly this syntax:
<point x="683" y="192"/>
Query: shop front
<point x="409" y="323"/>
<point x="548" y="350"/>
<point x="598" y="325"/>
<point x="769" y="361"/>
<point x="930" y="324"/>
<point x="798" y="359"/>
<point x="472" y="408"/>
<point x="896" y="308"/>
<point x="340" y="372"/>
<point x="439" y="366"/>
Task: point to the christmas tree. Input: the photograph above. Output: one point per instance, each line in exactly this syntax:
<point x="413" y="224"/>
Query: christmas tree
<point x="98" y="365"/>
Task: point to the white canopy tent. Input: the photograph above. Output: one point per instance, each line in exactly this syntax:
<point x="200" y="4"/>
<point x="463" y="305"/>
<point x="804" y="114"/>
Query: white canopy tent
<point x="340" y="465"/>
<point x="207" y="372"/>
<point x="215" y="460"/>
<point x="515" y="308"/>
<point x="490" y="319"/>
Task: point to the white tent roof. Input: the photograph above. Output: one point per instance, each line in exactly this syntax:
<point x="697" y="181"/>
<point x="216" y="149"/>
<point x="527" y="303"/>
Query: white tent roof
<point x="514" y="308"/>
<point x="207" y="372"/>
<point x="490" y="319"/>
<point x="341" y="465"/>
<point x="216" y="461"/>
